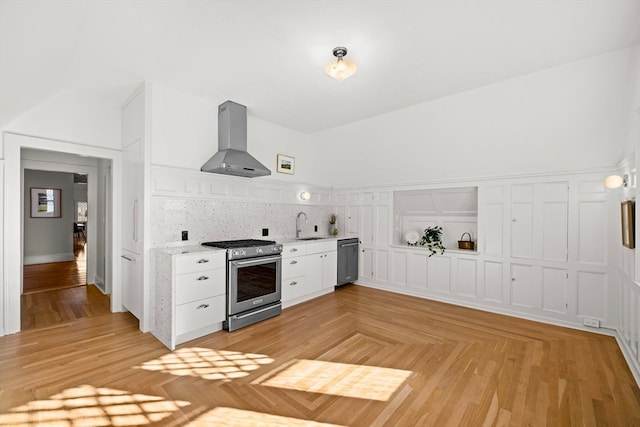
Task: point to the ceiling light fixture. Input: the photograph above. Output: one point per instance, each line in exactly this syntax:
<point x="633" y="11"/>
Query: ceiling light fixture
<point x="340" y="68"/>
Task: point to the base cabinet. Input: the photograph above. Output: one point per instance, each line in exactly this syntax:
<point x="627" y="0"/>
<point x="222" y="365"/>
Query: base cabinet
<point x="308" y="270"/>
<point x="294" y="272"/>
<point x="322" y="266"/>
<point x="190" y="295"/>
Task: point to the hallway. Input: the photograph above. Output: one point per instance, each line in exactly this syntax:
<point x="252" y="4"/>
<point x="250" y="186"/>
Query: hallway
<point x="57" y="292"/>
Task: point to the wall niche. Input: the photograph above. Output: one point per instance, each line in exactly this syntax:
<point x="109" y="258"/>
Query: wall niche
<point x="455" y="209"/>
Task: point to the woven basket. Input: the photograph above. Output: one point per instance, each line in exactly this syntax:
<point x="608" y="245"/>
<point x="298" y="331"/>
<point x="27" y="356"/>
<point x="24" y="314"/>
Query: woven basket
<point x="466" y="244"/>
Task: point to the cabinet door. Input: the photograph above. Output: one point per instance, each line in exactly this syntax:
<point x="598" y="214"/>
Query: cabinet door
<point x="352" y="220"/>
<point x="366" y="231"/>
<point x="132" y="190"/>
<point x="366" y="266"/>
<point x="131" y="270"/>
<point x="330" y="270"/>
<point x="314" y="272"/>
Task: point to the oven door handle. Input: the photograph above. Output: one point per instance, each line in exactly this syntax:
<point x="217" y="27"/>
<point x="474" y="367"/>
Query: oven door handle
<point x="256" y="261"/>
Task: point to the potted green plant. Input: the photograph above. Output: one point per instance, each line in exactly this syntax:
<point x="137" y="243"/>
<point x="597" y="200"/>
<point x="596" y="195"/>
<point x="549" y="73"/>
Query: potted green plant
<point x="432" y="239"/>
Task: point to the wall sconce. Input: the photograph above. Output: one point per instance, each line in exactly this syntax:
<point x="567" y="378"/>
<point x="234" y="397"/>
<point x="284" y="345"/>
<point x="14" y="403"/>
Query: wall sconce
<point x="305" y="195"/>
<point x="615" y="181"/>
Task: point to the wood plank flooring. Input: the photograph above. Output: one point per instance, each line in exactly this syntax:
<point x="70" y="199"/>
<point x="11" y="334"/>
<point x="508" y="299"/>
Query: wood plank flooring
<point x="356" y="357"/>
<point x="57" y="275"/>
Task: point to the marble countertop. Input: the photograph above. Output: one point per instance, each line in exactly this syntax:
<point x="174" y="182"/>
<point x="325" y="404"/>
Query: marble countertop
<point x="302" y="239"/>
<point x="191" y="249"/>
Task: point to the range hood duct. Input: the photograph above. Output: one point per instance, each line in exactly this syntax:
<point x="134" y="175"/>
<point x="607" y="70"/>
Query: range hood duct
<point x="232" y="157"/>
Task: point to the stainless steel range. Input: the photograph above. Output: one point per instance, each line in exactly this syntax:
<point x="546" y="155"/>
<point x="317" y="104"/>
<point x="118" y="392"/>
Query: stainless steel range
<point x="254" y="276"/>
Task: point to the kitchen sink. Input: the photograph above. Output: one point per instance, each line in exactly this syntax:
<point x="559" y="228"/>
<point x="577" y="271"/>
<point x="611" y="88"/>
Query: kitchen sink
<point x="310" y="238"/>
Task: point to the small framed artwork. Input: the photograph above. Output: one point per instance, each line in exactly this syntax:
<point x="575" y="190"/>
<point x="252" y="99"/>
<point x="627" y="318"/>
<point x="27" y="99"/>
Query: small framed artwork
<point x="286" y="164"/>
<point x="45" y="203"/>
<point x="627" y="211"/>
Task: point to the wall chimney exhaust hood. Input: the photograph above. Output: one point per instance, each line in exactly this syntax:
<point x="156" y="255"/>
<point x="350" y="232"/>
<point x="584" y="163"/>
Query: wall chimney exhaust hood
<point x="232" y="157"/>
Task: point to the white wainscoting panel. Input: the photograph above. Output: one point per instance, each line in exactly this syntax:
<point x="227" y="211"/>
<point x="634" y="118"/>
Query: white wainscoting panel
<point x="493" y="226"/>
<point x="493" y="282"/>
<point x="592" y="294"/>
<point x="592" y="235"/>
<point x="417" y="270"/>
<point x="467" y="277"/>
<point x="439" y="274"/>
<point x="554" y="234"/>
<point x="382" y="265"/>
<point x="399" y="268"/>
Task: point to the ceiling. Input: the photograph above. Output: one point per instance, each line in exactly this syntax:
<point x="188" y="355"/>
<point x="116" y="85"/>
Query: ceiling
<point x="270" y="55"/>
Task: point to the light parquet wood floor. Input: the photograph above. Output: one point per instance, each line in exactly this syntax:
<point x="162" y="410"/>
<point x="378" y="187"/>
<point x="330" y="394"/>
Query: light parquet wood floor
<point x="356" y="357"/>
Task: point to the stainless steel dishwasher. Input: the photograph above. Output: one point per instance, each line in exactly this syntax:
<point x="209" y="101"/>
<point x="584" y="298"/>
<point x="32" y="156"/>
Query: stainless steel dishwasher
<point x="347" y="261"/>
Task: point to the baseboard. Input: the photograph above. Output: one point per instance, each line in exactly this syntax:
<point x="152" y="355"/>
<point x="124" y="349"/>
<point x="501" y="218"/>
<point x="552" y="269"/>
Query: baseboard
<point x="632" y="362"/>
<point x="45" y="259"/>
<point x="99" y="283"/>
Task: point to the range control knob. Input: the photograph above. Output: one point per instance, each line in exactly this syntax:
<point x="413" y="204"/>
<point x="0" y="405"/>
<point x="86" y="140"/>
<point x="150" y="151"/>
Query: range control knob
<point x="259" y="250"/>
<point x="244" y="252"/>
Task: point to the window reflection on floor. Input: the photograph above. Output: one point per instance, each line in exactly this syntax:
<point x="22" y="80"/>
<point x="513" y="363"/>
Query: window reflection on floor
<point x="92" y="406"/>
<point x="340" y="379"/>
<point x="230" y="417"/>
<point x="207" y="363"/>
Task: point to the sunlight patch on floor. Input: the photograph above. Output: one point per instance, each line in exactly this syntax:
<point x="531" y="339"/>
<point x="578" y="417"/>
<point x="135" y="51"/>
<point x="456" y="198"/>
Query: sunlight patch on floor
<point x="230" y="417"/>
<point x="207" y="364"/>
<point x="339" y="379"/>
<point x="91" y="407"/>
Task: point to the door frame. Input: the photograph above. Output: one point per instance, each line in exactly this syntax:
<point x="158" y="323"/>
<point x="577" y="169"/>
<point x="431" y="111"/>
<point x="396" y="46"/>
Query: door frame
<point x="13" y="221"/>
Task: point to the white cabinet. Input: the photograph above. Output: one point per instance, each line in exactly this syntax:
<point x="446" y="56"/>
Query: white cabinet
<point x="294" y="271"/>
<point x="322" y="265"/>
<point x="190" y="295"/>
<point x="134" y="285"/>
<point x="366" y="263"/>
<point x="131" y="264"/>
<point x="309" y="269"/>
<point x="539" y="221"/>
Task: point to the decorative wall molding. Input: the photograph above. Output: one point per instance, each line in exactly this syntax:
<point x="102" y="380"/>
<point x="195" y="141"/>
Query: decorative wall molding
<point x="183" y="183"/>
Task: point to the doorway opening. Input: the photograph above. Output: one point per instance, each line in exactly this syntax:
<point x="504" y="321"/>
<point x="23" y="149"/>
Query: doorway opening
<point x="64" y="238"/>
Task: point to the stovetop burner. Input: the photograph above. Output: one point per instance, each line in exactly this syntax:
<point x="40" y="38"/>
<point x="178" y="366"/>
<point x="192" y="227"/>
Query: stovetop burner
<point x="234" y="244"/>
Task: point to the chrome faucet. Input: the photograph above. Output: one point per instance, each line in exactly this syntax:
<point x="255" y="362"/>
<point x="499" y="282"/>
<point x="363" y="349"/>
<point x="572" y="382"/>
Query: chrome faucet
<point x="298" y="228"/>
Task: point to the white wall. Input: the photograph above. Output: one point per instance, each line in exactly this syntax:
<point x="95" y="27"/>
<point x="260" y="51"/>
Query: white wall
<point x="566" y="118"/>
<point x="185" y="134"/>
<point x="73" y="117"/>
<point x="48" y="239"/>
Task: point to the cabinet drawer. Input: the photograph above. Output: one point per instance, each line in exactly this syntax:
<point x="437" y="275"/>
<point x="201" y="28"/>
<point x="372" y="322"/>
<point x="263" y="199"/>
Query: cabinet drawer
<point x="200" y="262"/>
<point x="292" y="267"/>
<point x="294" y="249"/>
<point x="293" y="288"/>
<point x="198" y="314"/>
<point x="318" y="247"/>
<point x="202" y="284"/>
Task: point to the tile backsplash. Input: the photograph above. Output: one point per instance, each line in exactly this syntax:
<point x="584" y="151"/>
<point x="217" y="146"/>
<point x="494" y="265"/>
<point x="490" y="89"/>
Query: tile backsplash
<point x="209" y="220"/>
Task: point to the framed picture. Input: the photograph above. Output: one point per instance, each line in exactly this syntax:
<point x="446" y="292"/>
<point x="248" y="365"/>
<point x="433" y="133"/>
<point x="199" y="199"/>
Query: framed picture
<point x="627" y="211"/>
<point x="286" y="164"/>
<point x="45" y="203"/>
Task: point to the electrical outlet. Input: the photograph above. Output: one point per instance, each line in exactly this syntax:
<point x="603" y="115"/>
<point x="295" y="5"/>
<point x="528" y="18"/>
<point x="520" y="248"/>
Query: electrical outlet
<point x="594" y="323"/>
<point x="265" y="231"/>
<point x="185" y="235"/>
<point x="315" y="228"/>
